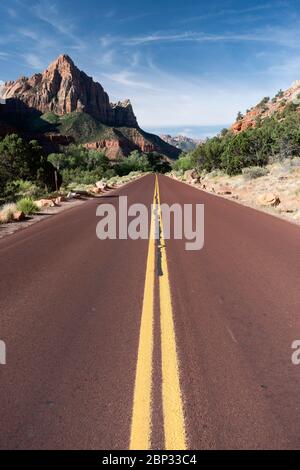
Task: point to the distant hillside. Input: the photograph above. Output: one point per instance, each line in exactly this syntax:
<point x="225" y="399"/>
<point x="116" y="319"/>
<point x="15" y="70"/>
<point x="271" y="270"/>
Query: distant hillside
<point x="269" y="132"/>
<point x="64" y="102"/>
<point x="182" y="142"/>
<point x="278" y="106"/>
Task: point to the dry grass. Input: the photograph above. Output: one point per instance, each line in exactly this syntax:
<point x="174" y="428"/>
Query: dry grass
<point x="7" y="212"/>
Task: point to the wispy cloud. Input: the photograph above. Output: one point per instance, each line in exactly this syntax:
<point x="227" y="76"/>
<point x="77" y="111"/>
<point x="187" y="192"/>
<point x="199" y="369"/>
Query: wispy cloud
<point x="127" y="78"/>
<point x="266" y="35"/>
<point x="51" y="14"/>
<point x="110" y="14"/>
<point x="4" y="55"/>
<point x="228" y="12"/>
<point x="11" y="12"/>
<point x="136" y="17"/>
<point x="33" y="61"/>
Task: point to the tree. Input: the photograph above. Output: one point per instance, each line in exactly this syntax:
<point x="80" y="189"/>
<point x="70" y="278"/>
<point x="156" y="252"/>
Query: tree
<point x="22" y="160"/>
<point x="97" y="160"/>
<point x="57" y="160"/>
<point x="14" y="157"/>
<point x="158" y="163"/>
<point x="279" y="94"/>
<point x="136" y="161"/>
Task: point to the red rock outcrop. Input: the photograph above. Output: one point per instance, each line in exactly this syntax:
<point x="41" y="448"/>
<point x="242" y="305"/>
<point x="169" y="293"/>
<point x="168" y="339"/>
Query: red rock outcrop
<point x="268" y="107"/>
<point x="114" y="148"/>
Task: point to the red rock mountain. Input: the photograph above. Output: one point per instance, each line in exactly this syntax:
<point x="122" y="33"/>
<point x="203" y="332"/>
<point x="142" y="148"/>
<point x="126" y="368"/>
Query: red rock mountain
<point x="63" y="88"/>
<point x="268" y="107"/>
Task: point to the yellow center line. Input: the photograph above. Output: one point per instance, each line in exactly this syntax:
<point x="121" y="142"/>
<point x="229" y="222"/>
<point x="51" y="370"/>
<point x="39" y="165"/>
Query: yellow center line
<point x="174" y="427"/>
<point x="173" y="415"/>
<point x="140" y="438"/>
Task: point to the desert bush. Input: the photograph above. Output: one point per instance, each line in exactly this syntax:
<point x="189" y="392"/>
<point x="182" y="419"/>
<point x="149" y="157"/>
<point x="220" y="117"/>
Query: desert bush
<point x="216" y="173"/>
<point x="254" y="172"/>
<point x="27" y="206"/>
<point x="6" y="212"/>
<point x="79" y="176"/>
<point x="17" y="189"/>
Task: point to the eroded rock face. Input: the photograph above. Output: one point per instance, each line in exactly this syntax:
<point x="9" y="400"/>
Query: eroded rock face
<point x="114" y="148"/>
<point x="63" y="88"/>
<point x="122" y="114"/>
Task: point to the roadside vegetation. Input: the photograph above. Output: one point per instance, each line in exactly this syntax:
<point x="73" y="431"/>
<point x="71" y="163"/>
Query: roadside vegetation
<point x="259" y="167"/>
<point x="274" y="139"/>
<point x="27" y="174"/>
<point x="27" y="206"/>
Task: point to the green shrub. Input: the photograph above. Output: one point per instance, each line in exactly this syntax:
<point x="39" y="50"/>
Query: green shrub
<point x="263" y="102"/>
<point x="279" y="94"/>
<point x="136" y="161"/>
<point x="17" y="189"/>
<point x="27" y="206"/>
<point x="6" y="212"/>
<point x="184" y="163"/>
<point x="254" y="172"/>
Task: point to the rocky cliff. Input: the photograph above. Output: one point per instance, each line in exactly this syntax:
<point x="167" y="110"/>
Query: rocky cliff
<point x="63" y="88"/>
<point x="269" y="107"/>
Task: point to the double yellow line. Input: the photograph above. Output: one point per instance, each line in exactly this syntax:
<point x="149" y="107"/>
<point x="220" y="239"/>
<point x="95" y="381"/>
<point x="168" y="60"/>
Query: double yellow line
<point x="173" y="416"/>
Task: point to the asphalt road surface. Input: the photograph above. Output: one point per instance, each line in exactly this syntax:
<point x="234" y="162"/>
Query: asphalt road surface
<point x="121" y="344"/>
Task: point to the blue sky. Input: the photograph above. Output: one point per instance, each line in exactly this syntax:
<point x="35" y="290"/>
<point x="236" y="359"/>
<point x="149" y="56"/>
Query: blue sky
<point x="187" y="66"/>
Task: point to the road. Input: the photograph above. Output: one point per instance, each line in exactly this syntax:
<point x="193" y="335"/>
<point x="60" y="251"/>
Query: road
<point x="109" y="349"/>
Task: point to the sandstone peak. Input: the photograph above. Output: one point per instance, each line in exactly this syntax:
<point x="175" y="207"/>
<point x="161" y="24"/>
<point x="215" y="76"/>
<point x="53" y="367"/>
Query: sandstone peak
<point x="62" y="88"/>
<point x="62" y="62"/>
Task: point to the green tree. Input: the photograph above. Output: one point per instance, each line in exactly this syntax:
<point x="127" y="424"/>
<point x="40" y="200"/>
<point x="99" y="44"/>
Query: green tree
<point x="22" y="160"/>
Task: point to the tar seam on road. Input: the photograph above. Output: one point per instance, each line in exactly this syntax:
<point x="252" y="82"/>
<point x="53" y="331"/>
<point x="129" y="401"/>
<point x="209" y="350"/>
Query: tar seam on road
<point x="173" y="415"/>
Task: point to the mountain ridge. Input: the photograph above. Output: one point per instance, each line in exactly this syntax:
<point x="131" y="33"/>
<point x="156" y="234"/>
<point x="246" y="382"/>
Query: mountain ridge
<point x="181" y="142"/>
